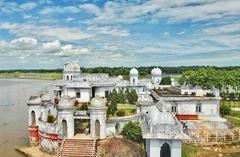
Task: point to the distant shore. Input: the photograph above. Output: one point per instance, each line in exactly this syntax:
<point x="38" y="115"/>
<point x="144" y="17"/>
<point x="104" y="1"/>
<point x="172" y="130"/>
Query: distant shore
<point x="34" y="76"/>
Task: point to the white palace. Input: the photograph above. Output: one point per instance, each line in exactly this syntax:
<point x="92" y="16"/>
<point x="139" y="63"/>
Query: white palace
<point x="161" y="109"/>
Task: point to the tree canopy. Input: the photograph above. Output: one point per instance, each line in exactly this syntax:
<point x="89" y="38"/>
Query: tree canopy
<point x="208" y="78"/>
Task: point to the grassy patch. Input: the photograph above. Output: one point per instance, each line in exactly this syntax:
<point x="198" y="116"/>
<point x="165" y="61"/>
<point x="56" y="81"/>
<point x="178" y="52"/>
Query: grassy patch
<point x="192" y="151"/>
<point x="234" y="120"/>
<point x="37" y="76"/>
<point x="128" y="108"/>
<point x="230" y="103"/>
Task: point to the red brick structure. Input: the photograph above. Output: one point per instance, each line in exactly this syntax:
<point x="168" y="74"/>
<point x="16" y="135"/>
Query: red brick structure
<point x="33" y="135"/>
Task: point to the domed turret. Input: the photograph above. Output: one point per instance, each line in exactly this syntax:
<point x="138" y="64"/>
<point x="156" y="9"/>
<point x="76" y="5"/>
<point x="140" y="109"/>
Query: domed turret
<point x="98" y="102"/>
<point x="133" y="72"/>
<point x="71" y="71"/>
<point x="70" y="66"/>
<point x="45" y="97"/>
<point x="133" y="76"/>
<point x="156" y="71"/>
<point x="65" y="103"/>
<point x="156" y="75"/>
<point x="34" y="100"/>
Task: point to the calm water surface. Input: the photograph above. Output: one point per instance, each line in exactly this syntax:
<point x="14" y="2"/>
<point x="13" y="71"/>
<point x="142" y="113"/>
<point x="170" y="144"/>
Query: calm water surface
<point x="13" y="113"/>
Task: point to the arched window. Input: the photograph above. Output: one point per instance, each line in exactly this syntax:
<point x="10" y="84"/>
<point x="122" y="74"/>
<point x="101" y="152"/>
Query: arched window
<point x="67" y="77"/>
<point x="97" y="129"/>
<point x="165" y="150"/>
<point x="64" y="127"/>
<point x="71" y="77"/>
<point x="174" y="107"/>
<point x="199" y="108"/>
<point x="134" y="80"/>
<point x="117" y="127"/>
<point x="33" y="118"/>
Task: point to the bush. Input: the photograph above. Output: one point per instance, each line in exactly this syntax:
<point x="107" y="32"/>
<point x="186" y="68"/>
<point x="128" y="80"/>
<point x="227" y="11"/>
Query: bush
<point x="120" y="113"/>
<point x="132" y="131"/>
<point x="133" y="110"/>
<point x="225" y="110"/>
<point x="51" y="118"/>
<point x="84" y="107"/>
<point x="112" y="108"/>
<point x="166" y="81"/>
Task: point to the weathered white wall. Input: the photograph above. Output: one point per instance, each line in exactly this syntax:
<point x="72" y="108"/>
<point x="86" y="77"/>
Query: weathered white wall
<point x="68" y="116"/>
<point x="100" y="91"/>
<point x="37" y="111"/>
<point x="153" y="147"/>
<point x="100" y="115"/>
<point x="209" y="107"/>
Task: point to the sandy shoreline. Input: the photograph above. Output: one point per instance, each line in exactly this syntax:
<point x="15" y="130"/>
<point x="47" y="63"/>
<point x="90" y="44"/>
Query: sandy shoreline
<point x="32" y="152"/>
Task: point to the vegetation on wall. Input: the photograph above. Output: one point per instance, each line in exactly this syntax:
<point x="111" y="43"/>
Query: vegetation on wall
<point x="132" y="131"/>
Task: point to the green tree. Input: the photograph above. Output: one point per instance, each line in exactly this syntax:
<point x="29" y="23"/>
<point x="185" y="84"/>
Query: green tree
<point x="132" y="131"/>
<point x="166" y="80"/>
<point x="225" y="110"/>
<point x="132" y="96"/>
<point x="112" y="108"/>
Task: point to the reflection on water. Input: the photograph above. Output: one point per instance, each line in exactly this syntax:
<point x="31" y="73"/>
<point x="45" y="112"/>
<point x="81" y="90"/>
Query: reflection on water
<point x="13" y="113"/>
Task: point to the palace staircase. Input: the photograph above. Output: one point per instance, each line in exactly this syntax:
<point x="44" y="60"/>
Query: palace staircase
<point x="77" y="148"/>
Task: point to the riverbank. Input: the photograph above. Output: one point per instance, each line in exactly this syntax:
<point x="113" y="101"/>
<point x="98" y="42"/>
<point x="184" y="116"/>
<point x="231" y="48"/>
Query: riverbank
<point x="34" y="76"/>
<point x="32" y="152"/>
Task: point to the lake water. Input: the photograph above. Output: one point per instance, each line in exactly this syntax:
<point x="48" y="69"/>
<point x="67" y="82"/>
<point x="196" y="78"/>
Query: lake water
<point x="14" y="95"/>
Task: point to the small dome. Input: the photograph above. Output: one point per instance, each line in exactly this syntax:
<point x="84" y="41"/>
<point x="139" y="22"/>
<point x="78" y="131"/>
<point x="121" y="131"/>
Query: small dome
<point x="133" y="71"/>
<point x="45" y="97"/>
<point x="156" y="71"/>
<point x="70" y="66"/>
<point x="34" y="100"/>
<point x="98" y="102"/>
<point x="120" y="77"/>
<point x="65" y="103"/>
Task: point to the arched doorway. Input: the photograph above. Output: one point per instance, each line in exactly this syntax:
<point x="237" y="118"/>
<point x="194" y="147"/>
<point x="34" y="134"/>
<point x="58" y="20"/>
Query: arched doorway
<point x="64" y="127"/>
<point x="97" y="129"/>
<point x="165" y="150"/>
<point x="117" y="128"/>
<point x="33" y="118"/>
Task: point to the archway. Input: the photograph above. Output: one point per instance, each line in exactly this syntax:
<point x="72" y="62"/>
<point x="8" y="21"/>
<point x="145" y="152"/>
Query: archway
<point x="165" y="150"/>
<point x="117" y="128"/>
<point x="33" y="118"/>
<point x="97" y="129"/>
<point x="64" y="127"/>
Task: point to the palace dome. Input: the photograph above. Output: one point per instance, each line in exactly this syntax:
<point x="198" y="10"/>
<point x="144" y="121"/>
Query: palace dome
<point x="45" y="97"/>
<point x="156" y="71"/>
<point x="98" y="102"/>
<point x="65" y="103"/>
<point x="71" y="66"/>
<point x="120" y="77"/>
<point x="133" y="71"/>
<point x="34" y="100"/>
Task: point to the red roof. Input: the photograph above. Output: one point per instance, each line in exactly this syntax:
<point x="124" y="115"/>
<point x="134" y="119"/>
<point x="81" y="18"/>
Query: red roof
<point x="187" y="117"/>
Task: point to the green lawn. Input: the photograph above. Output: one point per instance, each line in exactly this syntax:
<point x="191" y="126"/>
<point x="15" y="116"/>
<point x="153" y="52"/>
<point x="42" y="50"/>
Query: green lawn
<point x="230" y="103"/>
<point x="128" y="108"/>
<point x="234" y="120"/>
<point x="37" y="76"/>
<point x="191" y="151"/>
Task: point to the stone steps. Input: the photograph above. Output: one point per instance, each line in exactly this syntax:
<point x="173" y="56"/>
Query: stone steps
<point x="77" y="148"/>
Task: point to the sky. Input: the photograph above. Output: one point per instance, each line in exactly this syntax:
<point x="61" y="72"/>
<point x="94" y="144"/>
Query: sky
<point x="48" y="33"/>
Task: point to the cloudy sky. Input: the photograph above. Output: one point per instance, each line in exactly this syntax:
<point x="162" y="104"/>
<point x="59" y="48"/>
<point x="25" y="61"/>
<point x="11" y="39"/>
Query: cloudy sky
<point x="47" y="33"/>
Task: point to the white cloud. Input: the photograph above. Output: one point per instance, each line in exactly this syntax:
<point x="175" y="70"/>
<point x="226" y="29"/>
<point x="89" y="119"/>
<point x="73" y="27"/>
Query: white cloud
<point x="181" y="33"/>
<point x="107" y="30"/>
<point x="59" y="10"/>
<point x="45" y="32"/>
<point x="52" y="45"/>
<point x="228" y="28"/>
<point x="28" y="6"/>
